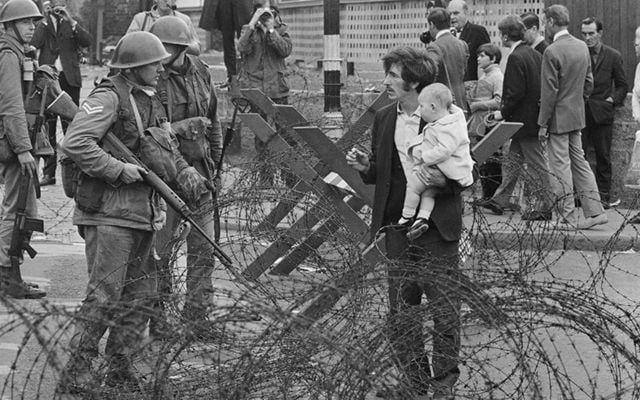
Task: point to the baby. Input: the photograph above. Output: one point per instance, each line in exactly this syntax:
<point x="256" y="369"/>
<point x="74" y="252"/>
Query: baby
<point x="443" y="144"/>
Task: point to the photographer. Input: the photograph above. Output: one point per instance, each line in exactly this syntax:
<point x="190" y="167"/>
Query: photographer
<point x="264" y="44"/>
<point x="60" y="38"/>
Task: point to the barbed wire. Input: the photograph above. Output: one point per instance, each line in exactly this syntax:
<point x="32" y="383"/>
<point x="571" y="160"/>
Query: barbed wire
<point x="530" y="329"/>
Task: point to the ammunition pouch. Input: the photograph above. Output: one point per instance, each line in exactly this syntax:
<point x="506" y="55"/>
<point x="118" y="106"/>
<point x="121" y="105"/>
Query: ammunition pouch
<point x="156" y="152"/>
<point x="70" y="176"/>
<point x="89" y="193"/>
<point x="193" y="137"/>
<point x="6" y="153"/>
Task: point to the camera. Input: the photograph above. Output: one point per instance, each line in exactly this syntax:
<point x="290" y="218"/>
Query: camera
<point x="425" y="37"/>
<point x="267" y="15"/>
<point x="58" y="11"/>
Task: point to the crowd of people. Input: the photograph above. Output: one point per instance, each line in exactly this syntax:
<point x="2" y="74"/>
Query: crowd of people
<point x="446" y="98"/>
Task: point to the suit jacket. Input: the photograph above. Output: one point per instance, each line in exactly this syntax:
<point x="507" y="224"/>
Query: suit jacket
<point x="608" y="69"/>
<point x="541" y="47"/>
<point x="387" y="174"/>
<point x="226" y="14"/>
<point x="63" y="42"/>
<point x="475" y="36"/>
<point x="453" y="62"/>
<point x="566" y="82"/>
<point x="521" y="89"/>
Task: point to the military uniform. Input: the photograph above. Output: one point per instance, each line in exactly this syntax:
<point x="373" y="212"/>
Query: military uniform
<point x="119" y="228"/>
<point x="187" y="94"/>
<point x="14" y="139"/>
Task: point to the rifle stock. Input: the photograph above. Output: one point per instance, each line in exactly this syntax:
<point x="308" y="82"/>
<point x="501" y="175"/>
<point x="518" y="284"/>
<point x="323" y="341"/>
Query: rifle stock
<point x="119" y="150"/>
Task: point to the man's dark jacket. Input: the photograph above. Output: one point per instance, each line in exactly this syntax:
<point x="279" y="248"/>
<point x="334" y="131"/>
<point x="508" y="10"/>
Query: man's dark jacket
<point x="218" y="14"/>
<point x="475" y="36"/>
<point x="63" y="43"/>
<point x="521" y="89"/>
<point x="608" y="68"/>
<point x="387" y="174"/>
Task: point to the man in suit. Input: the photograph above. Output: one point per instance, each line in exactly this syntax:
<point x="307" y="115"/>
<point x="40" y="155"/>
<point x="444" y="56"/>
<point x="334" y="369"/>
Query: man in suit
<point x="609" y="91"/>
<point x="60" y="39"/>
<point x="566" y="81"/>
<point x="229" y="16"/>
<point x="429" y="264"/>
<point x="454" y="54"/>
<point x="532" y="35"/>
<point x="473" y="34"/>
<point x="520" y="103"/>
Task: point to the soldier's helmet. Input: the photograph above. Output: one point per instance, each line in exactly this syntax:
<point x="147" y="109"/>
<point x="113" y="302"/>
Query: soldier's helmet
<point x="15" y="10"/>
<point x="172" y="30"/>
<point x="136" y="49"/>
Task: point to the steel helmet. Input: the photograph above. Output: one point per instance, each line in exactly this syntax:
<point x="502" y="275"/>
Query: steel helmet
<point x="172" y="30"/>
<point x="15" y="10"/>
<point x="136" y="49"/>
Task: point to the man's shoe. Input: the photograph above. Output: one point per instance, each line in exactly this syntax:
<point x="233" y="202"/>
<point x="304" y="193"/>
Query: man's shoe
<point x="121" y="374"/>
<point x="492" y="205"/>
<point x="610" y="204"/>
<point x="48" y="180"/>
<point x="635" y="219"/>
<point x="593" y="221"/>
<point x="76" y="377"/>
<point x="537" y="216"/>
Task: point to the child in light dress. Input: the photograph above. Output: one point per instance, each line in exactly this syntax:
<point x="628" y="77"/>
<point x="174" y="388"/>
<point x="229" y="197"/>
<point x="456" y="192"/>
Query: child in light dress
<point x="442" y="144"/>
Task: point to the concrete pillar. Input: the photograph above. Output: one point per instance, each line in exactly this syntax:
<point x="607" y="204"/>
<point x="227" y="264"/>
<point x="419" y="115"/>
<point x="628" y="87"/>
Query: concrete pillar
<point x="332" y="119"/>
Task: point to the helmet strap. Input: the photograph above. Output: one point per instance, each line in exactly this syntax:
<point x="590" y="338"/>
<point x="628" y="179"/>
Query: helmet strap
<point x="175" y="57"/>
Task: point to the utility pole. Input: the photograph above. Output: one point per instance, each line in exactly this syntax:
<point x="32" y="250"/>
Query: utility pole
<point x="333" y="123"/>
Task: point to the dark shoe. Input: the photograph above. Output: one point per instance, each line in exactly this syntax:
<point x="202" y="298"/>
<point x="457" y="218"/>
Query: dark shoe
<point x="537" y="216"/>
<point x="76" y="377"/>
<point x="121" y="374"/>
<point x="398" y="226"/>
<point x="419" y="227"/>
<point x="48" y="180"/>
<point x="12" y="285"/>
<point x="492" y="205"/>
<point x="635" y="219"/>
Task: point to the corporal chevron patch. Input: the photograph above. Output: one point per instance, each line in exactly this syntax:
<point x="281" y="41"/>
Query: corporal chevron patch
<point x="89" y="109"/>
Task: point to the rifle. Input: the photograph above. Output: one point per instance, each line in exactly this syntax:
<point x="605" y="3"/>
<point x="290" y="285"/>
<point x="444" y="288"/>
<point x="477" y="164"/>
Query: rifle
<point x="241" y="104"/>
<point x="114" y="146"/>
<point x="23" y="226"/>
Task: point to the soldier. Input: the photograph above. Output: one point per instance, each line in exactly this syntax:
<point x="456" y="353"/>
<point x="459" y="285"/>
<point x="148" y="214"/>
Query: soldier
<point x="16" y="159"/>
<point x="189" y="97"/>
<point x="117" y="214"/>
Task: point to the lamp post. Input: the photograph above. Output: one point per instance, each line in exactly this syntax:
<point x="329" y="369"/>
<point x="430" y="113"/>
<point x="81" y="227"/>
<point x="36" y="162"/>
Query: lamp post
<point x="333" y="123"/>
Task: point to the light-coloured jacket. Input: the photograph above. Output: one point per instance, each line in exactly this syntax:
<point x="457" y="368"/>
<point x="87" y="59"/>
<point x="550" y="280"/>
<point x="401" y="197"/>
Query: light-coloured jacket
<point x="445" y="143"/>
<point x="567" y="81"/>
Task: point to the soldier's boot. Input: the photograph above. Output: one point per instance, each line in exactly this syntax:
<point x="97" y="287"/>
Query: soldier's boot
<point x="234" y="87"/>
<point x="122" y="374"/>
<point x="76" y="376"/>
<point x="11" y="284"/>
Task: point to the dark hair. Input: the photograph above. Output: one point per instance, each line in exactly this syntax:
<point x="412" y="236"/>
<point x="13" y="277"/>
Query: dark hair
<point x="440" y="18"/>
<point x="559" y="13"/>
<point x="591" y="20"/>
<point x="512" y="26"/>
<point x="530" y="20"/>
<point x="418" y="66"/>
<point x="491" y="50"/>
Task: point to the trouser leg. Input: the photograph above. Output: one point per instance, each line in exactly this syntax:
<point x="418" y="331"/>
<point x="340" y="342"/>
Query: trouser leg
<point x="583" y="178"/>
<point x="200" y="264"/>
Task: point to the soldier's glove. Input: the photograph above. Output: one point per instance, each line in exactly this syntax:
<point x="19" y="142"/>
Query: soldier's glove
<point x="195" y="187"/>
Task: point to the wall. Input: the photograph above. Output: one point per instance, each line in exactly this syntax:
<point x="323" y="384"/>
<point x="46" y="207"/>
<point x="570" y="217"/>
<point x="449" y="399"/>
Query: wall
<point x="368" y="29"/>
